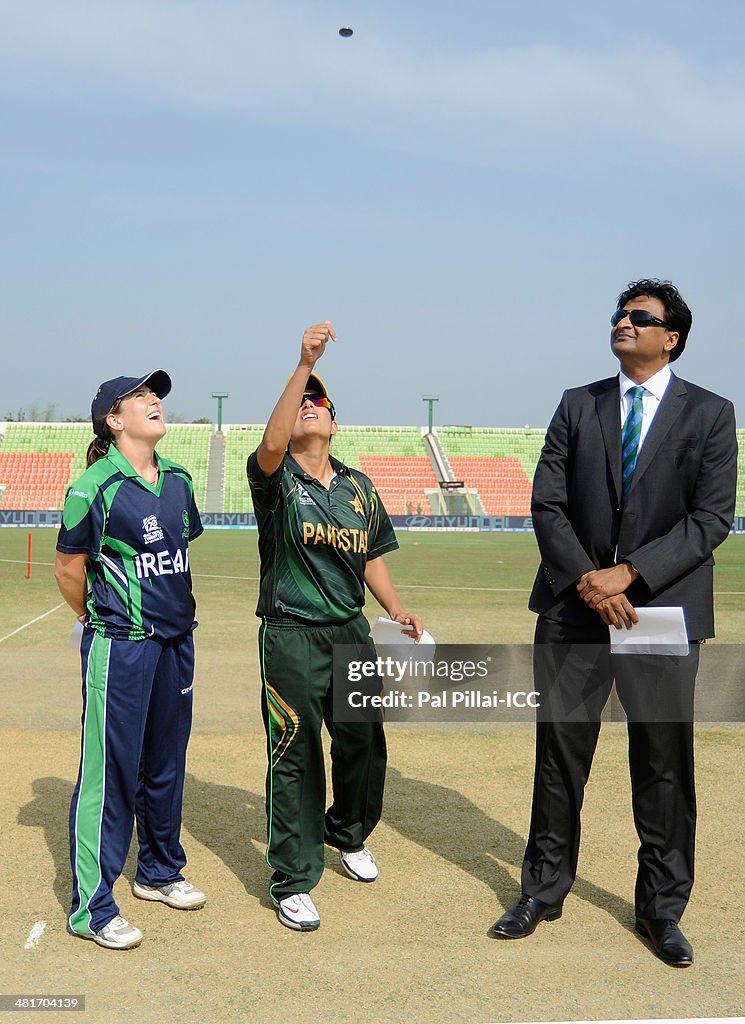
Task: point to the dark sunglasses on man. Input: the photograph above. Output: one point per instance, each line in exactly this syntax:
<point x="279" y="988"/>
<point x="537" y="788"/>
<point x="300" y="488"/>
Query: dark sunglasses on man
<point x="638" y="318"/>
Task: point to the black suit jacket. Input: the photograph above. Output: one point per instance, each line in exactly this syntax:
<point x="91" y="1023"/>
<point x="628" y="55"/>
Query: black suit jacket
<point x="679" y="508"/>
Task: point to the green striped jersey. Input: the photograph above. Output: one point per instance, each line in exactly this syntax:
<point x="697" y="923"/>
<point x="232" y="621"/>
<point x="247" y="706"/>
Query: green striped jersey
<point x="136" y="537"/>
<point x="314" y="543"/>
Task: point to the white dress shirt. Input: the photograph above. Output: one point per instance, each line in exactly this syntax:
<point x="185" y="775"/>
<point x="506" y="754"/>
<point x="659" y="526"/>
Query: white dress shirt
<point x="654" y="389"/>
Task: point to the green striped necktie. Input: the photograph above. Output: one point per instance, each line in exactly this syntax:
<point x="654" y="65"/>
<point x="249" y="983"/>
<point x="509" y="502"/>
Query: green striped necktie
<point x="630" y="435"/>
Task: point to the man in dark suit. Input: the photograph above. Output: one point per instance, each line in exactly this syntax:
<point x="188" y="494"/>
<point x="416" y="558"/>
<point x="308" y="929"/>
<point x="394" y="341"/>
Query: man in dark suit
<point x="634" y="489"/>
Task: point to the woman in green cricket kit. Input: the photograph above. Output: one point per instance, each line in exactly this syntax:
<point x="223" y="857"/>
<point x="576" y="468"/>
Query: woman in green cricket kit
<point x="322" y="534"/>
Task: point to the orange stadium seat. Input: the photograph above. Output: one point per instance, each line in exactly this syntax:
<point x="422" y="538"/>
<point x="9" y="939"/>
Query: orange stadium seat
<point x="34" y="480"/>
<point x="401" y="481"/>
<point x="501" y="482"/>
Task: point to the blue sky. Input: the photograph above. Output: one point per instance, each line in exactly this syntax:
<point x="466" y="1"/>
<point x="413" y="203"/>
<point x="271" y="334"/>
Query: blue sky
<point x="462" y="188"/>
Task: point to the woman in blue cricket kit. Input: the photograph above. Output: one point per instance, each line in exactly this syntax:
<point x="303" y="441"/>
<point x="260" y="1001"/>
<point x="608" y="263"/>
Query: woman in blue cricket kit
<point x="123" y="567"/>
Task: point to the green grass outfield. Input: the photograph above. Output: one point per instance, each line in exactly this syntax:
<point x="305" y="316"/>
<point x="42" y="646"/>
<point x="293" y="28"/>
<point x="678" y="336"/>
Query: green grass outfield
<point x="413" y="948"/>
<point x="469" y="587"/>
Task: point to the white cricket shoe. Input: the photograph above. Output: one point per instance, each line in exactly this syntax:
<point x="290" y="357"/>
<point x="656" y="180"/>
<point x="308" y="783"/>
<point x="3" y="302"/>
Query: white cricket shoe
<point x="298" y="912"/>
<point x="360" y="866"/>
<point x="118" y="934"/>
<point x="179" y="895"/>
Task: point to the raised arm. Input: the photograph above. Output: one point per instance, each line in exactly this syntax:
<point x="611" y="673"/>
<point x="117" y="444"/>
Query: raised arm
<point x="282" y="420"/>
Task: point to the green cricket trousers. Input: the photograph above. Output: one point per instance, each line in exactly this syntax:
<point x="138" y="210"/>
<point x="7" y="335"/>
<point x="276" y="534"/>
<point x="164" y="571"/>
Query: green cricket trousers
<point x="296" y="672"/>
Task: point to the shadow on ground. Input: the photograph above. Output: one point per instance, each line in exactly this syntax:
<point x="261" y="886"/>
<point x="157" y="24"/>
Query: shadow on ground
<point x="231" y="823"/>
<point x="452" y="827"/>
<point x="49" y="810"/>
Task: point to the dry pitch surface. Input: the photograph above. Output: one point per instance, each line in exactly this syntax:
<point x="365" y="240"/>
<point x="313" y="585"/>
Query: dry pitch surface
<point x="414" y="946"/>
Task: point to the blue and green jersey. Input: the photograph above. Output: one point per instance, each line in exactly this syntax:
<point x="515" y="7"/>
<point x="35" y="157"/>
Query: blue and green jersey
<point x="314" y="543"/>
<point x="136" y="536"/>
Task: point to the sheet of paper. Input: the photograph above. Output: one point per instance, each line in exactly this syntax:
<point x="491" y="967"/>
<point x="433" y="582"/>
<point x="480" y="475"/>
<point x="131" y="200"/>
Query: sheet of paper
<point x="77" y="635"/>
<point x="659" y="631"/>
<point x="387" y="633"/>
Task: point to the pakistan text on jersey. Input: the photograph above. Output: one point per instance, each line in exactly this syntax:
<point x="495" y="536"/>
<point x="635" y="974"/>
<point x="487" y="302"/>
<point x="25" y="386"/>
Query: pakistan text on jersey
<point x="163" y="564"/>
<point x="344" y="539"/>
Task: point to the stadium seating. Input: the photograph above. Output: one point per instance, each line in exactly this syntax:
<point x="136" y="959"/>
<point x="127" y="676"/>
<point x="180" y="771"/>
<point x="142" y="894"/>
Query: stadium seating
<point x="498" y="462"/>
<point x="187" y="444"/>
<point x="350" y="445"/>
<point x="241" y="440"/>
<point x="495" y="442"/>
<point x="71" y="438"/>
<point x="353" y="441"/>
<point x="33" y="480"/>
<point x="501" y="482"/>
<point x="395" y="460"/>
<point x="401" y="482"/>
<point x="740" y="502"/>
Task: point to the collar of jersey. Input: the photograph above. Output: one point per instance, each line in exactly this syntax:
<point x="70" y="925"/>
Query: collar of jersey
<point x="126" y="470"/>
<point x="297" y="470"/>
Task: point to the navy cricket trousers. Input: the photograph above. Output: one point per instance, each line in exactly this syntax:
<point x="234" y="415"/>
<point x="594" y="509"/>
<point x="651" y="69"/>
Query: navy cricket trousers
<point x="137" y="706"/>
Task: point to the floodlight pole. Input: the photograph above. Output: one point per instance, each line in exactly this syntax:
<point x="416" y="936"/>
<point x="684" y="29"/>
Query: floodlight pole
<point x="430" y="400"/>
<point x="219" y="395"/>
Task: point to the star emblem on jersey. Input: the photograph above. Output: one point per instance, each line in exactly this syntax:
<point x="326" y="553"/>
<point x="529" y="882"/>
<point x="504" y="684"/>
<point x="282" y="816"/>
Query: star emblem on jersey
<point x="151" y="531"/>
<point x="357" y="505"/>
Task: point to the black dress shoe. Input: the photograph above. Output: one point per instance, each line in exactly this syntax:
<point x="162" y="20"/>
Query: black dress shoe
<point x="524" y="918"/>
<point x="668" y="941"/>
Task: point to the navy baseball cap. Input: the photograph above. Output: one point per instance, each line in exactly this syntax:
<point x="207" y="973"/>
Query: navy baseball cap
<point x="112" y="390"/>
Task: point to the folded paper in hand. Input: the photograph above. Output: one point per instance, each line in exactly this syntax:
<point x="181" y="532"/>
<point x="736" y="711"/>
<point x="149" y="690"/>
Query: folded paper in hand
<point x="659" y="631"/>
<point x="387" y="633"/>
